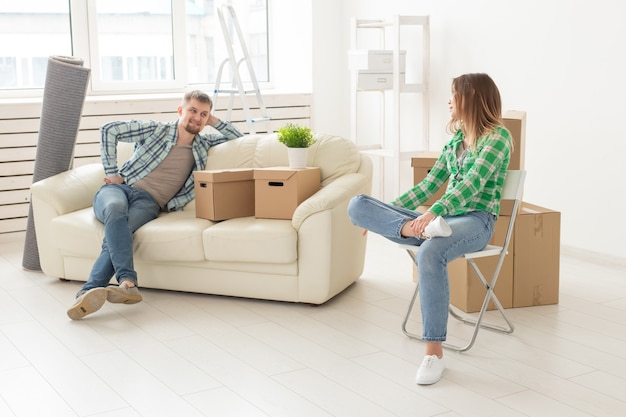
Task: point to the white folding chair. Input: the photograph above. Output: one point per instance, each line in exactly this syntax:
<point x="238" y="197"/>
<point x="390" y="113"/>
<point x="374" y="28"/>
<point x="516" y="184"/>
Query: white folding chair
<point x="513" y="188"/>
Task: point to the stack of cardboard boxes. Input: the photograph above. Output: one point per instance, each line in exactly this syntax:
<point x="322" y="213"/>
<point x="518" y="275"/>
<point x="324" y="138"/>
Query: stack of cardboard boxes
<point x="530" y="273"/>
<point x="269" y="193"/>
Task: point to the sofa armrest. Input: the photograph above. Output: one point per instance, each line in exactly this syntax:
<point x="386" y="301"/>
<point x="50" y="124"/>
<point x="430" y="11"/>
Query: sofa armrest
<point x="331" y="250"/>
<point x="54" y="196"/>
<point x="70" y="190"/>
<point x="330" y="196"/>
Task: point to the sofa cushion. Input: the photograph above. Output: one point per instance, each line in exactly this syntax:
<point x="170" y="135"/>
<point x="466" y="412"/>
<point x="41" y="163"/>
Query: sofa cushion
<point x="335" y="156"/>
<point x="247" y="239"/>
<point x="78" y="233"/>
<point x="237" y="153"/>
<point x="175" y="236"/>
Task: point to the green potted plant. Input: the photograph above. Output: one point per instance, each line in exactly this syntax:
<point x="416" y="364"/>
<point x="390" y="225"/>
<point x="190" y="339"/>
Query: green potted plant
<point x="297" y="139"/>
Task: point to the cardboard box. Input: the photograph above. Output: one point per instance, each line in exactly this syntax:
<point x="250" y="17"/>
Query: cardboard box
<point x="530" y="272"/>
<point x="224" y="194"/>
<point x="378" y="61"/>
<point x="279" y="191"/>
<point x="537" y="254"/>
<point x="422" y="163"/>
<point x="514" y="120"/>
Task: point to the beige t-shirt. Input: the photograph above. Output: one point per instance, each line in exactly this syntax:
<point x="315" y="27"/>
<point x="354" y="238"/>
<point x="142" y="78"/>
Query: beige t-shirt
<point x="169" y="176"/>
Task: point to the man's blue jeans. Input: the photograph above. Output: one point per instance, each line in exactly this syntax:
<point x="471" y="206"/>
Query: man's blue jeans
<point x="470" y="232"/>
<point x="123" y="209"/>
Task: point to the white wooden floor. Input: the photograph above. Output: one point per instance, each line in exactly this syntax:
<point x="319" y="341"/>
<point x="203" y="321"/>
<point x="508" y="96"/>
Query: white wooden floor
<point x="185" y="355"/>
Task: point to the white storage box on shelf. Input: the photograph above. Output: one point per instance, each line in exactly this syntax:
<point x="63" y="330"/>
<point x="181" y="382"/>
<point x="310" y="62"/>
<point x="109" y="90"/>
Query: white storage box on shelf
<point x="377" y="81"/>
<point x="375" y="68"/>
<point x="374" y="60"/>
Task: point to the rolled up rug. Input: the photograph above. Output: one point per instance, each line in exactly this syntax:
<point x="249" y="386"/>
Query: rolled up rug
<point x="64" y="94"/>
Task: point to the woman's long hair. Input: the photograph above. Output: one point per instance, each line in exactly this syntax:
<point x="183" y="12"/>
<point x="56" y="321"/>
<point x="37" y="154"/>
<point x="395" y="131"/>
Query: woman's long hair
<point x="478" y="107"/>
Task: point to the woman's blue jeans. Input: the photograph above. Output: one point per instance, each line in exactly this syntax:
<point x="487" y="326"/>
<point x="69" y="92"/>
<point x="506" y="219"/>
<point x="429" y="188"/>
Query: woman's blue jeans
<point x="123" y="209"/>
<point x="470" y="232"/>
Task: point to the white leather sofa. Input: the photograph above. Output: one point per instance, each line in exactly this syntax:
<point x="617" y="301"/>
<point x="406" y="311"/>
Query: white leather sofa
<point x="307" y="259"/>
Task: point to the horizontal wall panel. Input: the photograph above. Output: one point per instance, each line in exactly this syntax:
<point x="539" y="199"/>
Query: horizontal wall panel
<point x="13" y="224"/>
<point x="15" y="182"/>
<point x="86" y="149"/>
<point x="8" y="169"/>
<point x="18" y="154"/>
<point x="16" y="140"/>
<point x="95" y="122"/>
<point x="79" y="162"/>
<point x="18" y="125"/>
<point x="20" y="108"/>
<point x="131" y="104"/>
<point x="88" y="136"/>
<point x="13" y="211"/>
<point x="15" y="196"/>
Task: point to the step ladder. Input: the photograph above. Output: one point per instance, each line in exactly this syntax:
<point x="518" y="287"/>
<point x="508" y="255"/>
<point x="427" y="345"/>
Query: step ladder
<point x="237" y="87"/>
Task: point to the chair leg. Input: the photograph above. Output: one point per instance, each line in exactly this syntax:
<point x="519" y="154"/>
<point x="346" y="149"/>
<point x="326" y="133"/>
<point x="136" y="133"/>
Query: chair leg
<point x="411" y="304"/>
<point x="477" y="323"/>
<point x="408" y="315"/>
<point x="491" y="296"/>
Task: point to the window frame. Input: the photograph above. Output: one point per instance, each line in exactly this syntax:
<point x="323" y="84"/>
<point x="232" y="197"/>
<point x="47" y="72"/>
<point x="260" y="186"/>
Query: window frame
<point x="83" y="32"/>
<point x="99" y="86"/>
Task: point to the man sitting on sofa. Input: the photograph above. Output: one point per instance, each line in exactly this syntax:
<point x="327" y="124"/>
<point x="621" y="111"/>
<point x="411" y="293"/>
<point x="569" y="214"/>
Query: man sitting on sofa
<point x="159" y="176"/>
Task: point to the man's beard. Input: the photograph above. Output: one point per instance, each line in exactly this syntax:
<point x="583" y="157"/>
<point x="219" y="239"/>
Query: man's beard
<point x="192" y="129"/>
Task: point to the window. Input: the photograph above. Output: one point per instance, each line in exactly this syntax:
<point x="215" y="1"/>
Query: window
<point x="31" y="31"/>
<point x="130" y="45"/>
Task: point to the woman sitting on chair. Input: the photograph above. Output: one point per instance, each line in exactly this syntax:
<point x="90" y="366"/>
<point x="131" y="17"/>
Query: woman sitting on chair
<point x="474" y="162"/>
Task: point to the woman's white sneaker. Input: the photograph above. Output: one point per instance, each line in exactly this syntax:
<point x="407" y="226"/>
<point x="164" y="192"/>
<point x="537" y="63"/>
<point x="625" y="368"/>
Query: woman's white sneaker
<point x="437" y="228"/>
<point x="430" y="370"/>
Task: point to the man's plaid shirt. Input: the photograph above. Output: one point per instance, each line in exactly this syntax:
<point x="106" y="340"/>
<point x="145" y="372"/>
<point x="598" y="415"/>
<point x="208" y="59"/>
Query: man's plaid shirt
<point x="153" y="141"/>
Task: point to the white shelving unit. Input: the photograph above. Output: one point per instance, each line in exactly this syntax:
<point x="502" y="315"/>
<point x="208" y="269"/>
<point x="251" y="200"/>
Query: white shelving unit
<point x="378" y="66"/>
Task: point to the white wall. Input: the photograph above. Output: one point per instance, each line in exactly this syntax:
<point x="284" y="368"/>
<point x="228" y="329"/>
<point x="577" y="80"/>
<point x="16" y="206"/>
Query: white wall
<point x="561" y="62"/>
<point x="289" y="26"/>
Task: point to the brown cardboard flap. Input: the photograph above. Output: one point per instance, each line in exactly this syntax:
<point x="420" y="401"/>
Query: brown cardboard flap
<point x="275" y="174"/>
<point x="216" y="176"/>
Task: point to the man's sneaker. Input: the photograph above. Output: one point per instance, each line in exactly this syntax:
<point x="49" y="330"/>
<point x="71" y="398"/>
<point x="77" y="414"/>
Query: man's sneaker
<point x="87" y="303"/>
<point x="430" y="371"/>
<point x="123" y="294"/>
<point x="437" y="228"/>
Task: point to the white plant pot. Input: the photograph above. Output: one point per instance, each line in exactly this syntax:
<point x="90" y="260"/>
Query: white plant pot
<point x="297" y="157"/>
